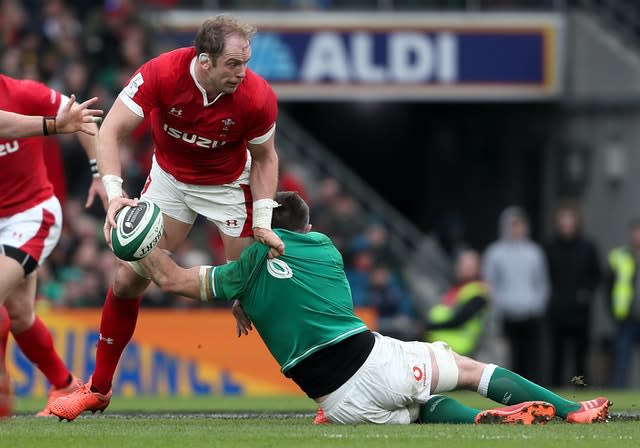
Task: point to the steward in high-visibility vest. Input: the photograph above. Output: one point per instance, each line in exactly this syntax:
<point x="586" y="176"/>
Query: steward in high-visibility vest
<point x="459" y="319"/>
<point x="623" y="283"/>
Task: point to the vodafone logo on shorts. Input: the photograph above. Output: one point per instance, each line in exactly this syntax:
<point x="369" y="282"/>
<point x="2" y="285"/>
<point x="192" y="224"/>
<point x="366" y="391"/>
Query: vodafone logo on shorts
<point x="420" y="373"/>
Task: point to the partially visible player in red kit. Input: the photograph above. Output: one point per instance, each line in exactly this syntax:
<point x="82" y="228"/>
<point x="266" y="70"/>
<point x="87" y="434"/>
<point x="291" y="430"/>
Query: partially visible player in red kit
<point x="213" y="123"/>
<point x="31" y="219"/>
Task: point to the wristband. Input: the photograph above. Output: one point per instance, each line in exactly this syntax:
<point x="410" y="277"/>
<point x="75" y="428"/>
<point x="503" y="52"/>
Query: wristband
<point x="112" y="185"/>
<point x="206" y="283"/>
<point x="49" y="125"/>
<point x="93" y="164"/>
<point x="262" y="213"/>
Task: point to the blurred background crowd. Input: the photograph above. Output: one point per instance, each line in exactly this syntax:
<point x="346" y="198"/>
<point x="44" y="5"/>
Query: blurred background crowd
<point x="508" y="298"/>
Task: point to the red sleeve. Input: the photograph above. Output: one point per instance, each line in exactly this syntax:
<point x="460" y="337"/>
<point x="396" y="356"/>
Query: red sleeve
<point x="141" y="90"/>
<point x="265" y="114"/>
<point x="36" y="98"/>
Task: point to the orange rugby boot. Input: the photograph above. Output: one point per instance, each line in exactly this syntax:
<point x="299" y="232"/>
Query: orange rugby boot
<point x="592" y="411"/>
<point x="527" y="413"/>
<point x="54" y="394"/>
<point x="83" y="399"/>
<point x="320" y="419"/>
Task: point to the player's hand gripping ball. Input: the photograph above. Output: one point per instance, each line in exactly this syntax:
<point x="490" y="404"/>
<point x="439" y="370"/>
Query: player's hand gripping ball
<point x="138" y="230"/>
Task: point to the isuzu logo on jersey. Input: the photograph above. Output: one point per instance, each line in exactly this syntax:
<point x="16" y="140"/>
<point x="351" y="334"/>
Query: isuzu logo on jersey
<point x="193" y="138"/>
<point x="9" y="147"/>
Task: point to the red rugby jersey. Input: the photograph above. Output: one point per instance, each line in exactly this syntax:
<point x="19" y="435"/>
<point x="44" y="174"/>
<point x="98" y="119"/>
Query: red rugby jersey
<point x="199" y="142"/>
<point x="23" y="179"/>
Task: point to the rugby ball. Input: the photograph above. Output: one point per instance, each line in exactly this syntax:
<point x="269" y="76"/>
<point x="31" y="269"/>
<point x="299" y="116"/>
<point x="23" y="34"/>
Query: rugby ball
<point x="138" y="230"/>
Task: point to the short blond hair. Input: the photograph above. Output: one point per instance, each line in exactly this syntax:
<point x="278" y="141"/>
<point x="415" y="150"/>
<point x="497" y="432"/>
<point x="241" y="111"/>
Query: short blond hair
<point x="214" y="31"/>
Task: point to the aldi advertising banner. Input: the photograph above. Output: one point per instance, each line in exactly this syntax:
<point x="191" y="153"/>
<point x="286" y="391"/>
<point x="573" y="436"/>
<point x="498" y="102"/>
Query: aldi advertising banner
<point x="402" y="56"/>
<point x="173" y="352"/>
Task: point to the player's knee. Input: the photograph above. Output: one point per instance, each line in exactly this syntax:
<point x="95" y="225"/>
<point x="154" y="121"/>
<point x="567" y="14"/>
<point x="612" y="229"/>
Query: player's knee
<point x="469" y="370"/>
<point x="21" y="321"/>
<point x="448" y="371"/>
<point x="127" y="284"/>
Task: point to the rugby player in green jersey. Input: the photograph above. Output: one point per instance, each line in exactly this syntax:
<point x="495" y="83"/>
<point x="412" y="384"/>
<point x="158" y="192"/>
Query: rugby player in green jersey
<point x="300" y="304"/>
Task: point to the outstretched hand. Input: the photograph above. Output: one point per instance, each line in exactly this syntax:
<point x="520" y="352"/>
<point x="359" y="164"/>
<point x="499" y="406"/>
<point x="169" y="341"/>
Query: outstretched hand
<point x="97" y="189"/>
<point x="243" y="323"/>
<point x="78" y="117"/>
<point x="269" y="238"/>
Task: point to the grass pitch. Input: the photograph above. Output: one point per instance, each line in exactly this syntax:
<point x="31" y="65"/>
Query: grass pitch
<point x="286" y="422"/>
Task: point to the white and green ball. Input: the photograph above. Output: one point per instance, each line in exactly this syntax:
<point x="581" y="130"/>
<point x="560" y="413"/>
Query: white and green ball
<point x="138" y="230"/>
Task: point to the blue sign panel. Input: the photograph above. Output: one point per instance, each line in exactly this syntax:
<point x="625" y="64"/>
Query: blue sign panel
<point x="400" y="57"/>
<point x="405" y="56"/>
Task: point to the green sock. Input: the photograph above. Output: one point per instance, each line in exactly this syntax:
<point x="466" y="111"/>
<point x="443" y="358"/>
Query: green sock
<point x="441" y="409"/>
<point x="508" y="388"/>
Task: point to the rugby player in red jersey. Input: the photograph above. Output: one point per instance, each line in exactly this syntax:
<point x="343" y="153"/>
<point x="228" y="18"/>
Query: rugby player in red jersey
<point x="213" y="124"/>
<point x="31" y="218"/>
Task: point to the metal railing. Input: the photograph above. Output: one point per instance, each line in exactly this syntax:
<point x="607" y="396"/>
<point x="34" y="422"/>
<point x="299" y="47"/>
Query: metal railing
<point x="299" y="146"/>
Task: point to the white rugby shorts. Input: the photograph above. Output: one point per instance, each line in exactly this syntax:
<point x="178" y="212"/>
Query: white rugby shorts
<point x="228" y="206"/>
<point x="390" y="387"/>
<point x="35" y="231"/>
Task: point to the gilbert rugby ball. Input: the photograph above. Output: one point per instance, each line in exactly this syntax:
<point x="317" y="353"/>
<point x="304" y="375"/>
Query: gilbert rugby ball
<point x="138" y="230"/>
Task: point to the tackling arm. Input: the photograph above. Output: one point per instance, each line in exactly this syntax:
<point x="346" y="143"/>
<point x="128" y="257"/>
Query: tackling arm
<point x="264" y="183"/>
<point x="170" y="277"/>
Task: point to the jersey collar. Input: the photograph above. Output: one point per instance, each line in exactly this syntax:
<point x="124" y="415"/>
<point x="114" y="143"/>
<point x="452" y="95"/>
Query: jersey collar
<point x="205" y="97"/>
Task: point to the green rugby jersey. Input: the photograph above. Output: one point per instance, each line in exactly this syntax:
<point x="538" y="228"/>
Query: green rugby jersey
<point x="299" y="302"/>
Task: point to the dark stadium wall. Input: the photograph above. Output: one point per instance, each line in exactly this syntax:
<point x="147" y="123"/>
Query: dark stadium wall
<point x="442" y="163"/>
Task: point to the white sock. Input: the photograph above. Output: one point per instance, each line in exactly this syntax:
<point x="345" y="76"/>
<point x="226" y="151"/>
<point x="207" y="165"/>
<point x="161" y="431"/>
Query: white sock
<point x="487" y="373"/>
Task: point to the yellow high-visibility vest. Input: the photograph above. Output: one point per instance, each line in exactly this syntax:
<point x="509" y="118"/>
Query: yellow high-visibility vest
<point x="462" y="340"/>
<point x="623" y="264"/>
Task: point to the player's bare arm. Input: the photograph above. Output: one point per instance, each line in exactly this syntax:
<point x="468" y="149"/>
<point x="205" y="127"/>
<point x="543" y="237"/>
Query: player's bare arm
<point x="170" y="277"/>
<point x="90" y="145"/>
<point x="117" y="126"/>
<point x="68" y="120"/>
<point x="264" y="182"/>
<point x="194" y="283"/>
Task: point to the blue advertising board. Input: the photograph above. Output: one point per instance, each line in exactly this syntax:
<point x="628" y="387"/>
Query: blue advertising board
<point x="423" y="56"/>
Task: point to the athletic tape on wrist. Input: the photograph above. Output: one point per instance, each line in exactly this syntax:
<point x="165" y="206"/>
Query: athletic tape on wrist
<point x="262" y="213"/>
<point x="205" y="288"/>
<point x="112" y="185"/>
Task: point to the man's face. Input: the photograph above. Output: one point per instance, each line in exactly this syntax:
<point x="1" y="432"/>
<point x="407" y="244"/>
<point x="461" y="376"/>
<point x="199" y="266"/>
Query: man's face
<point x="566" y="223"/>
<point x="635" y="237"/>
<point x="518" y="228"/>
<point x="228" y="71"/>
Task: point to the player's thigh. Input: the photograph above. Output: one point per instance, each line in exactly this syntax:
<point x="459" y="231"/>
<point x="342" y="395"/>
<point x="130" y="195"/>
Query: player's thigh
<point x="389" y="388"/>
<point x="11" y="277"/>
<point x="228" y="206"/>
<point x="127" y="284"/>
<point x="170" y="196"/>
<point x="233" y="246"/>
<point x="21" y="304"/>
<point x="174" y="233"/>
